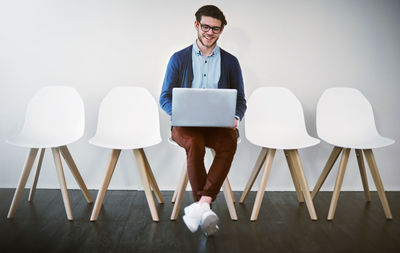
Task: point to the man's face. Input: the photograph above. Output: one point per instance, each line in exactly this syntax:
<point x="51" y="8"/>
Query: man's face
<point x="208" y="38"/>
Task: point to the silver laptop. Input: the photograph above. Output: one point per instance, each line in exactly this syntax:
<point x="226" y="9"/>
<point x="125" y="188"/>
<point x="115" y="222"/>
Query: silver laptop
<point x="198" y="107"/>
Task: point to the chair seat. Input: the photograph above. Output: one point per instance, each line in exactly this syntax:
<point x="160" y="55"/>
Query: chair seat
<point x="117" y="143"/>
<point x="360" y="142"/>
<point x="284" y="142"/>
<point x="39" y="141"/>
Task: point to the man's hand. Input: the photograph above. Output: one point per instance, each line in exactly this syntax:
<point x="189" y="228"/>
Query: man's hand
<point x="236" y="124"/>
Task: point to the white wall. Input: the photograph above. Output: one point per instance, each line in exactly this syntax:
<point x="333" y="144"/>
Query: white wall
<point x="305" y="45"/>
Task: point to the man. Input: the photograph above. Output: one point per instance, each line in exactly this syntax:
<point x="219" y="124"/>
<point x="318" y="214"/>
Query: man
<point x="205" y="65"/>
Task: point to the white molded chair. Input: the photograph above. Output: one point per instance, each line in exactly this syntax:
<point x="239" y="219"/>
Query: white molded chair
<point x="181" y="188"/>
<point x="275" y="120"/>
<point x="55" y="117"/>
<point x="345" y="119"/>
<point x="128" y="119"/>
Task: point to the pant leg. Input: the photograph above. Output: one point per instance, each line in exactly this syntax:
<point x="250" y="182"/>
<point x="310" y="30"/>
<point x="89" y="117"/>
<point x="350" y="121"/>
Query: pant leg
<point x="224" y="143"/>
<point x="193" y="141"/>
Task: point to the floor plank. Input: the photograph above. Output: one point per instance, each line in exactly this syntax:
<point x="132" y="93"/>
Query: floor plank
<point x="125" y="225"/>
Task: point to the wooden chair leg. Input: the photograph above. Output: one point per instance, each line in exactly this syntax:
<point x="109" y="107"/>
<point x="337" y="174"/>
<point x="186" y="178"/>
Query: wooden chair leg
<point x="363" y="173"/>
<point x="257" y="167"/>
<point x="263" y="184"/>
<point x="369" y="155"/>
<point x="63" y="184"/>
<point x="35" y="180"/>
<point x="295" y="177"/>
<point x="338" y="184"/>
<point x="146" y="184"/>
<point x="75" y="172"/>
<point x="152" y="179"/>
<point x="229" y="199"/>
<point x="182" y="178"/>
<point x="303" y="183"/>
<point x="180" y="191"/>
<point x="328" y="167"/>
<point x="22" y="181"/>
<point x="106" y="181"/>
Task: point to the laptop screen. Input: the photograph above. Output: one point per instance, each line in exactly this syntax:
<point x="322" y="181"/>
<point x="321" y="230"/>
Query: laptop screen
<point x="203" y="107"/>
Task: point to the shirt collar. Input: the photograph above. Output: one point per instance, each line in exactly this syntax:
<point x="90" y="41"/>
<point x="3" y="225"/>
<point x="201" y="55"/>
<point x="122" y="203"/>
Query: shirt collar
<point x="197" y="51"/>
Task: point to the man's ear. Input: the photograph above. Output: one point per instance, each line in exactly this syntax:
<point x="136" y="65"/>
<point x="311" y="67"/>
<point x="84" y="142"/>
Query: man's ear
<point x="196" y="25"/>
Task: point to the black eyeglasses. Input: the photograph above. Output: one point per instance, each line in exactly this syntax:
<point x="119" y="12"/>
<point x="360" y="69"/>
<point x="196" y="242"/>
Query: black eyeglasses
<point x="206" y="28"/>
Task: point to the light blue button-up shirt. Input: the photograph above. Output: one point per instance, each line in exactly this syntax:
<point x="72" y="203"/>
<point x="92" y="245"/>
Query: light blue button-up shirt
<point x="206" y="70"/>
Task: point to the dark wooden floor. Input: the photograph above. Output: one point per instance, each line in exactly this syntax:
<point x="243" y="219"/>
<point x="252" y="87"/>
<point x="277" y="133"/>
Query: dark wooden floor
<point x="125" y="225"/>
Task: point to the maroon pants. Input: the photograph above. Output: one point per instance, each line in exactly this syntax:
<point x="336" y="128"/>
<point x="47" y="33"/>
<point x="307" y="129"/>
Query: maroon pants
<point x="194" y="140"/>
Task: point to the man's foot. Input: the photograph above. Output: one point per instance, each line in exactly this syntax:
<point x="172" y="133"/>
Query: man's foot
<point x="209" y="223"/>
<point x="194" y="214"/>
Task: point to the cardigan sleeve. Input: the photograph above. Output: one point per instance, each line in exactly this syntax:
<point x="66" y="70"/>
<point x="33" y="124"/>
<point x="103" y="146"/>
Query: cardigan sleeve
<point x="237" y="83"/>
<point x="171" y="80"/>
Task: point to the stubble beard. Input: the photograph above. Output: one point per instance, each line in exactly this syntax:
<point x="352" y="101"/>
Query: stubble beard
<point x="200" y="38"/>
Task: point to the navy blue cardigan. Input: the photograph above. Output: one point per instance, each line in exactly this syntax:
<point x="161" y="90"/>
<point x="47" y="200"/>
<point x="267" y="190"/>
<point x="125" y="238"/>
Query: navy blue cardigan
<point x="180" y="74"/>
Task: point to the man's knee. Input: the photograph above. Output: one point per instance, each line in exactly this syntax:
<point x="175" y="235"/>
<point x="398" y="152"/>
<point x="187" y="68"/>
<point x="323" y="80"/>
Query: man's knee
<point x="227" y="144"/>
<point x="194" y="144"/>
<point x="227" y="149"/>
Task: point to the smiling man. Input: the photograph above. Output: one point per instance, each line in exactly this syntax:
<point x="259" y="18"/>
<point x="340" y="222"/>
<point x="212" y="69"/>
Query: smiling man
<point x="205" y="65"/>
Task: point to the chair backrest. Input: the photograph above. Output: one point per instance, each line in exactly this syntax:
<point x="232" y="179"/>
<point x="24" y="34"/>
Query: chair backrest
<point x="55" y="113"/>
<point x="274" y="113"/>
<point x="344" y="112"/>
<point x="129" y="115"/>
